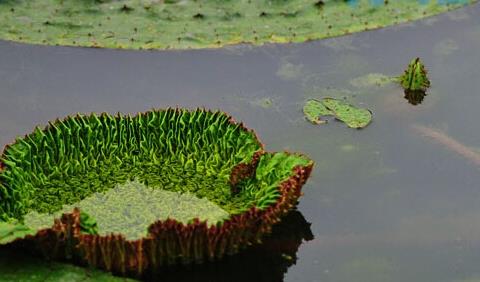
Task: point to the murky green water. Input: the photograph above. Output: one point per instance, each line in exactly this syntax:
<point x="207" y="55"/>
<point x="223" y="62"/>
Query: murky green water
<point x="386" y="203"/>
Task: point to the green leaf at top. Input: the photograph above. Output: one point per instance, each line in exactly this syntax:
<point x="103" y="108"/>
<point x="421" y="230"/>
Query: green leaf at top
<point x="10" y="232"/>
<point x="186" y="24"/>
<point x="352" y="116"/>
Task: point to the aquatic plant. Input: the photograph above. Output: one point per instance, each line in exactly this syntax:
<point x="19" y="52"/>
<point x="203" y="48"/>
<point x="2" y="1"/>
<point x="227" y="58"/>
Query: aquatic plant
<point x="415" y="82"/>
<point x="354" y="117"/>
<point x="200" y="152"/>
<point x="149" y="24"/>
<point x="415" y="77"/>
<point x="268" y="261"/>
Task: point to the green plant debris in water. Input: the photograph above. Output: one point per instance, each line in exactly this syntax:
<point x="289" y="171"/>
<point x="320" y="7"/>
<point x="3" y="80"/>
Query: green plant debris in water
<point x="151" y="24"/>
<point x="131" y="207"/>
<point x="415" y="77"/>
<point x="289" y="71"/>
<point x="352" y="116"/>
<point x="265" y="103"/>
<point x="372" y="80"/>
<point x="445" y="47"/>
<point x="314" y="110"/>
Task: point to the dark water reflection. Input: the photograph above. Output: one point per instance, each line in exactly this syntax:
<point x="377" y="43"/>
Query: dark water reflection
<point x="387" y="203"/>
<point x="263" y="263"/>
<point x="414" y="97"/>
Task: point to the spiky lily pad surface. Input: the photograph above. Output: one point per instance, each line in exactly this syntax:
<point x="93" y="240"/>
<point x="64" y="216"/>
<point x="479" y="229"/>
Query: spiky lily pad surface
<point x="73" y="162"/>
<point x="181" y="24"/>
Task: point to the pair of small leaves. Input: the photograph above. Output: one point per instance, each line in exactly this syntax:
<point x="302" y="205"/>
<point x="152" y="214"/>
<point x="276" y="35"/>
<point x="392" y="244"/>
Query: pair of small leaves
<point x="352" y="116"/>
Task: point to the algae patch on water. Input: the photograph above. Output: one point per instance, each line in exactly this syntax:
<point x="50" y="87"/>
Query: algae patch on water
<point x="352" y="116"/>
<point x="131" y="207"/>
<point x="151" y="24"/>
<point x="372" y="80"/>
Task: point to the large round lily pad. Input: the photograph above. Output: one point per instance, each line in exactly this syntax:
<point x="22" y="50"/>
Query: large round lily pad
<point x="181" y="24"/>
<point x="129" y="194"/>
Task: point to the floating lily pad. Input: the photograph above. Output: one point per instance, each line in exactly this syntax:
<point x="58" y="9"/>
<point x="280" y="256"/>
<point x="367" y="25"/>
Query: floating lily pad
<point x="314" y="110"/>
<point x="202" y="187"/>
<point x="147" y="24"/>
<point x="352" y="116"/>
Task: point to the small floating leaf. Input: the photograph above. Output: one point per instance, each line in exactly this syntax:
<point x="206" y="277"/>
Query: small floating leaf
<point x="315" y="109"/>
<point x="352" y="116"/>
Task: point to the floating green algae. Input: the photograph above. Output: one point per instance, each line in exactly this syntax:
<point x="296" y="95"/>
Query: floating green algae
<point x="352" y="116"/>
<point x="372" y="80"/>
<point x="150" y="24"/>
<point x="130" y="208"/>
